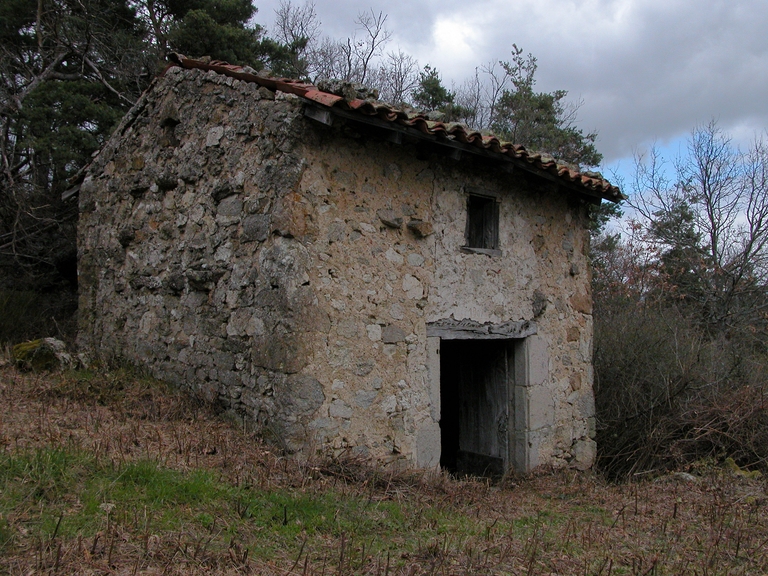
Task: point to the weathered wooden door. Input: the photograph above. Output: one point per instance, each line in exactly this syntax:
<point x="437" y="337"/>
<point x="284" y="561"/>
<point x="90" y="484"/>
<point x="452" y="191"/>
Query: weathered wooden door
<point x="476" y="394"/>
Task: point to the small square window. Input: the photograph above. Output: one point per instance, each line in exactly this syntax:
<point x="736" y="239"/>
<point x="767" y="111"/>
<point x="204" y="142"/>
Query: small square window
<point x="482" y="223"/>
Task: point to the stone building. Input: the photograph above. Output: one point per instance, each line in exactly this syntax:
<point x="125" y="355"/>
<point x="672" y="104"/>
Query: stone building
<point x="352" y="278"/>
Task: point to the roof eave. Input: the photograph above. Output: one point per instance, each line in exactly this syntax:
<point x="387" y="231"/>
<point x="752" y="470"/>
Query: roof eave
<point x="325" y="115"/>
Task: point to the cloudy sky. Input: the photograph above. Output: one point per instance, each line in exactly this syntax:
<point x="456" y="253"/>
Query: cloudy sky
<point x="646" y="70"/>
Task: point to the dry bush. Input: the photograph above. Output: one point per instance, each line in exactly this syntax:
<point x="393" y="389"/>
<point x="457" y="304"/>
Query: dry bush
<point x="668" y="395"/>
<point x="732" y="424"/>
<point x="359" y="470"/>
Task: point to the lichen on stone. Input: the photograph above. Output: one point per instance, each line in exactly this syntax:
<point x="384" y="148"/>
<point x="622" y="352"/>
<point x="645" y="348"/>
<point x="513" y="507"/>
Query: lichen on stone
<point x="44" y="354"/>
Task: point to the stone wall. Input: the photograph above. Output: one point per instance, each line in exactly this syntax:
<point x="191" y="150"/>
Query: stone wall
<point x="258" y="257"/>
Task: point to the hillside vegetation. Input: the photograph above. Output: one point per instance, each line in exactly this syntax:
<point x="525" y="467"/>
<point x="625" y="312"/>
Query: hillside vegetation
<point x="113" y="473"/>
<point x="681" y="330"/>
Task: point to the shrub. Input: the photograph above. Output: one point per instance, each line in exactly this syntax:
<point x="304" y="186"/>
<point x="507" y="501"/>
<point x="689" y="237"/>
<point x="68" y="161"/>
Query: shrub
<point x="667" y="394"/>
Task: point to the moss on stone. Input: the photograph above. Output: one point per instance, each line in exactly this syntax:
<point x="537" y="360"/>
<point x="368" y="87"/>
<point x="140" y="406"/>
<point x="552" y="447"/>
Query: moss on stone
<point x="40" y="355"/>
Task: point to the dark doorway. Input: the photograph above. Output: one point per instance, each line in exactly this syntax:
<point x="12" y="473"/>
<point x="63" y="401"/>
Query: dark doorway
<point x="475" y="393"/>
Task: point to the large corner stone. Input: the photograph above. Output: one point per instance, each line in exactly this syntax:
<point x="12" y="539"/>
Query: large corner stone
<point x="433" y="376"/>
<point x="541" y="409"/>
<point x="537" y="353"/>
<point x="428" y="445"/>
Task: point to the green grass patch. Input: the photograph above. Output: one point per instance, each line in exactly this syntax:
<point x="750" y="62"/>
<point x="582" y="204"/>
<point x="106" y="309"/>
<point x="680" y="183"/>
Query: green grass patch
<point x="44" y="486"/>
<point x="70" y="494"/>
<point x="247" y="507"/>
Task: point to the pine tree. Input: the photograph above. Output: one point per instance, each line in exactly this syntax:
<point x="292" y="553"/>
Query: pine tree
<point x="540" y="121"/>
<point x="431" y="96"/>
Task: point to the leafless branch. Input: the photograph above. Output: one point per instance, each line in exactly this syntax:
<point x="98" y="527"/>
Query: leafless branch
<point x="295" y="23"/>
<point x="104" y="81"/>
<point x="49" y="71"/>
<point x="375" y="36"/>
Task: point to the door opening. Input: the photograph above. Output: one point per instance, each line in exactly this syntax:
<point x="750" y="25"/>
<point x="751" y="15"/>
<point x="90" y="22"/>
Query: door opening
<point x="476" y="396"/>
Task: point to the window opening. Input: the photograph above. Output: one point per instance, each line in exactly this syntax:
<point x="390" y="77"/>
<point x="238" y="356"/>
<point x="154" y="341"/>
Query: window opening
<point x="482" y="222"/>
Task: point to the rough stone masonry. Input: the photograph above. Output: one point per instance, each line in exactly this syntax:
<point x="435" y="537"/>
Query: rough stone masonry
<point x="307" y="276"/>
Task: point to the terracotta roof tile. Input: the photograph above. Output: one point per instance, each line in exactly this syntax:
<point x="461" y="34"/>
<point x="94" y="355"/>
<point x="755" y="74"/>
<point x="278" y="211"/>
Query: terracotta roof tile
<point x="589" y="181"/>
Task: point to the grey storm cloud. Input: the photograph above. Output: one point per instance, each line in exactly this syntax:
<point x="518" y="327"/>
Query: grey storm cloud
<point x="643" y="70"/>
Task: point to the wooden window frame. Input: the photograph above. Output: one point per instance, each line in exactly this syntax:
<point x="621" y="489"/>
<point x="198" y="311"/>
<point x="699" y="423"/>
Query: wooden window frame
<point x="481" y="234"/>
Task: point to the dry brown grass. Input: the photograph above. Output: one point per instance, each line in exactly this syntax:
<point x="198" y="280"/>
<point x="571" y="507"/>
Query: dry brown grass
<point x="389" y="522"/>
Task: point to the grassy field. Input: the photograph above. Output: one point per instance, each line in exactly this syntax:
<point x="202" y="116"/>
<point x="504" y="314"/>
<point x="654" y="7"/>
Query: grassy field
<point x="110" y="473"/>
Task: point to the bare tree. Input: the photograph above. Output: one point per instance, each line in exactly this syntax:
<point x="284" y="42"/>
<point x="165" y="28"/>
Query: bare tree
<point x="481" y="93"/>
<point x="298" y="27"/>
<point x="498" y="80"/>
<point x="374" y="36"/>
<point x="353" y="59"/>
<point x="469" y="96"/>
<point x="681" y="310"/>
<point x="707" y="214"/>
<point x="327" y="60"/>
<point x="396" y="77"/>
<point x="295" y="23"/>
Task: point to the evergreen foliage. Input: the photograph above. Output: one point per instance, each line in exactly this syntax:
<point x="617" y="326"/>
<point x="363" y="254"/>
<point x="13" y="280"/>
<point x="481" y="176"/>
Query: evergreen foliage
<point x="431" y="94"/>
<point x="221" y="29"/>
<point x="540" y="121"/>
<point x="69" y="70"/>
